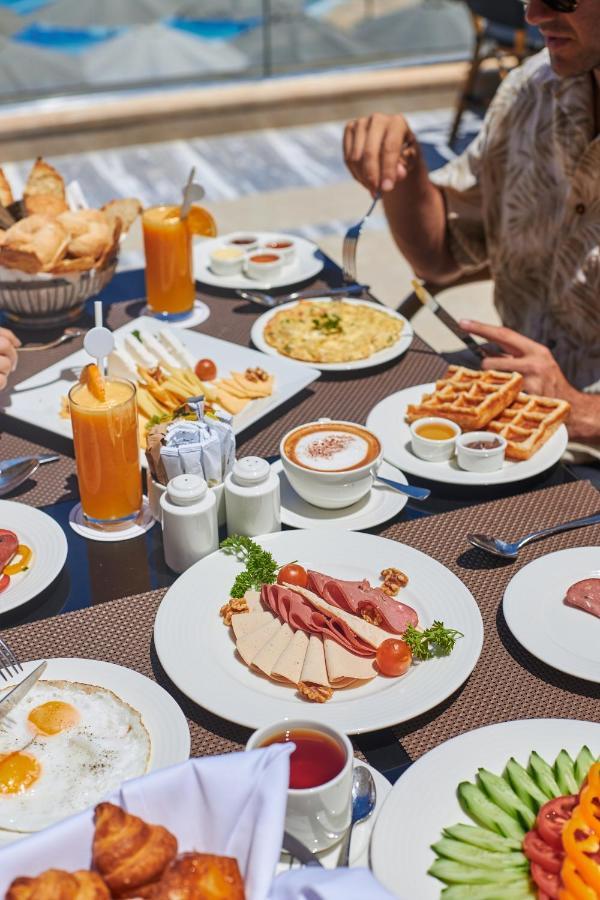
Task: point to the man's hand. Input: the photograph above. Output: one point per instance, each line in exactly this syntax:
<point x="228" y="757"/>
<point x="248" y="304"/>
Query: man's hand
<point x="379" y="150"/>
<point x="8" y="354"/>
<point x="542" y="375"/>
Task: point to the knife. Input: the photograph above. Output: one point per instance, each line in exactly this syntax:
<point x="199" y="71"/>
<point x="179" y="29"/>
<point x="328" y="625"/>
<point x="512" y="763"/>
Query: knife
<point x="431" y="303"/>
<point x="42" y="458"/>
<point x="8" y="702"/>
<point x="296" y="848"/>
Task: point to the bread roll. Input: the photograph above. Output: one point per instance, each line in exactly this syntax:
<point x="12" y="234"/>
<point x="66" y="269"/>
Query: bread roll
<point x="58" y="885"/>
<point x="201" y="876"/>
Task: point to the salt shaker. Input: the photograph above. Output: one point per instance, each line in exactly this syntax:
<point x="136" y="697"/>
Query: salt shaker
<point x="189" y="521"/>
<point x="252" y="501"/>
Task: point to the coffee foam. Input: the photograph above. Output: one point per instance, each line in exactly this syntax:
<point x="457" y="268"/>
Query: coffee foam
<point x="332" y="450"/>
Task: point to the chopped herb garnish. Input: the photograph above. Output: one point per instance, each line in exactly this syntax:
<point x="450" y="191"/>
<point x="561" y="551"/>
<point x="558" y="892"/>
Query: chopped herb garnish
<point x="432" y="642"/>
<point x="260" y="567"/>
<point x="328" y="323"/>
<point x="137" y="335"/>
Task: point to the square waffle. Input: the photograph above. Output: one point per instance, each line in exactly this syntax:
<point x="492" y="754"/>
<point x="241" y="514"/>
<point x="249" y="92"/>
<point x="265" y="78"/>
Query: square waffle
<point x="468" y="397"/>
<point x="528" y="423"/>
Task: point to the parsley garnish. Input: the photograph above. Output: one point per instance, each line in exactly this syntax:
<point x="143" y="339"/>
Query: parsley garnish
<point x="434" y="641"/>
<point x="136" y="334"/>
<point x="328" y="323"/>
<point x="260" y="567"/>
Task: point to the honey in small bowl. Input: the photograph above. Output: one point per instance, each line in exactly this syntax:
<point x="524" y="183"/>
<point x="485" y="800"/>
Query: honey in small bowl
<point x="436" y="431"/>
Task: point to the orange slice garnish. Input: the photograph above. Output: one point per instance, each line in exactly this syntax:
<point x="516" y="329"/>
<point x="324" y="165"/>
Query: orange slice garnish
<point x="200" y="222"/>
<point x="93" y="378"/>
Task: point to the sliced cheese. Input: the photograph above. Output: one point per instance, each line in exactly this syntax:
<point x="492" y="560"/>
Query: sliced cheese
<point x="314" y="669"/>
<point x="233" y="405"/>
<point x="246" y="623"/>
<point x="344" y="667"/>
<point x="372" y="634"/>
<point x="249" y="645"/>
<point x="268" y="655"/>
<point x="289" y="665"/>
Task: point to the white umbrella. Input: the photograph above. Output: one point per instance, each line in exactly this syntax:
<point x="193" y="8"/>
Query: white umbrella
<point x="298" y="39"/>
<point x="441" y="26"/>
<point x="24" y="67"/>
<point x="105" y="13"/>
<point x="225" y="10"/>
<point x="154" y="52"/>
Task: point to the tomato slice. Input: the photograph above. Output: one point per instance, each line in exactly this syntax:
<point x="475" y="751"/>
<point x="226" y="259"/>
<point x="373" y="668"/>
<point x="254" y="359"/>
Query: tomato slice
<point x="552" y="818"/>
<point x="538" y="851"/>
<point x="548" y="882"/>
<point x="393" y="657"/>
<point x="4" y="582"/>
<point x="293" y="574"/>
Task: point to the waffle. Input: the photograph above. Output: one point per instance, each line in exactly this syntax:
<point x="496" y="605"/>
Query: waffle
<point x="528" y="423"/>
<point x="467" y="397"/>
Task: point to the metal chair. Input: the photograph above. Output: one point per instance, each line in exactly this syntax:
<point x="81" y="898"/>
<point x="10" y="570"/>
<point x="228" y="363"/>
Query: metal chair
<point x="501" y="33"/>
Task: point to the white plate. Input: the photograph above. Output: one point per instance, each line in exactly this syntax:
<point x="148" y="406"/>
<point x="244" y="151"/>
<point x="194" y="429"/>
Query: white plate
<point x="381" y="504"/>
<point x="423" y="801"/>
<point x="48" y="543"/>
<point x="377" y="359"/>
<point x="563" y="637"/>
<point x="307" y="263"/>
<point x="387" y="421"/>
<point x="37" y="400"/>
<point x="163" y="718"/>
<point x="198" y="653"/>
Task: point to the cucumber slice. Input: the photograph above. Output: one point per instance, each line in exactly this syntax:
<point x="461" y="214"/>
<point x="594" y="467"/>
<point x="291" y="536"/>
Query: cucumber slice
<point x="452" y="872"/>
<point x="543" y="775"/>
<point x="517" y="891"/>
<point x="524" y="785"/>
<point x="486" y="813"/>
<point x="481" y="837"/>
<point x="478" y="858"/>
<point x="585" y="759"/>
<point x="499" y="790"/>
<point x="564" y="769"/>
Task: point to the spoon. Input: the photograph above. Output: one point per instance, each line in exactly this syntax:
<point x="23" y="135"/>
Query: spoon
<point x="68" y="335"/>
<point x="12" y="476"/>
<point x="417" y="493"/>
<point x="509" y="550"/>
<point x="364" y="797"/>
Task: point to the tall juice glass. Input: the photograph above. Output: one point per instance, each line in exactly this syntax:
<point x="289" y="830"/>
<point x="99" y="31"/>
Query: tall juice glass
<point x="169" y="265"/>
<point x="105" y="433"/>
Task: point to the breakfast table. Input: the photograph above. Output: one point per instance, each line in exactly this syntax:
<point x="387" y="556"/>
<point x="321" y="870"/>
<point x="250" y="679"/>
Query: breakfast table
<point x="103" y="603"/>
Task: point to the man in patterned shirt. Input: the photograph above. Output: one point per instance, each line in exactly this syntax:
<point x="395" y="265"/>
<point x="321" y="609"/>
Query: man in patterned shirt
<point x="524" y="199"/>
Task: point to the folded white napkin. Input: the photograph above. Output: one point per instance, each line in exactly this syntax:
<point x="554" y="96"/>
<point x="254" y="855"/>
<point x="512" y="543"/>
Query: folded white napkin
<point x="231" y="805"/>
<point x="324" y="884"/>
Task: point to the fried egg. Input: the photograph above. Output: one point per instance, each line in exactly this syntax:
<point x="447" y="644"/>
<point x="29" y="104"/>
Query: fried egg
<point x="71" y="745"/>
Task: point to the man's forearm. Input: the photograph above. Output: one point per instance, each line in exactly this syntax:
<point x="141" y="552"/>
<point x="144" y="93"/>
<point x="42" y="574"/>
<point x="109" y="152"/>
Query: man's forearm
<point x="416" y="213"/>
<point x="584" y="421"/>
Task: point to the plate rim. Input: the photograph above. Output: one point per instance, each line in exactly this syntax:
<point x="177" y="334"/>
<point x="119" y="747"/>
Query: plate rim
<point x="532" y="647"/>
<point x="44" y="521"/>
<point x="458" y="476"/>
<point x="385" y="720"/>
<point x="407" y="336"/>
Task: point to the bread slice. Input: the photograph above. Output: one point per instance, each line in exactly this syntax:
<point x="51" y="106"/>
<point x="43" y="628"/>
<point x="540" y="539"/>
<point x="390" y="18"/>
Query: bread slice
<point x="6" y="195"/>
<point x="45" y="190"/>
<point x="127" y="210"/>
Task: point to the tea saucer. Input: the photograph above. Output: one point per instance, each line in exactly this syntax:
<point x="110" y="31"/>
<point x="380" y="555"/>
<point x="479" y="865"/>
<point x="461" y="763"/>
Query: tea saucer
<point x="382" y="503"/>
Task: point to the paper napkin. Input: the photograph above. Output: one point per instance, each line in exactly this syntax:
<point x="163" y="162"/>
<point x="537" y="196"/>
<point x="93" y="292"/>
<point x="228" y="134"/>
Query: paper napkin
<point x="324" y="884"/>
<point x="232" y="805"/>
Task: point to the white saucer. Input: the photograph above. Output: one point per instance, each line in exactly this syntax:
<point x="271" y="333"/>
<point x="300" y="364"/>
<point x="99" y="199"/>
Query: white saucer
<point x="381" y="504"/>
<point x="144" y="524"/>
<point x="199" y="314"/>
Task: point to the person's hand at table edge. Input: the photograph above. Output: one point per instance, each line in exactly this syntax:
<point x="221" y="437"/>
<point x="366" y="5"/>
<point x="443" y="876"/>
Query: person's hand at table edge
<point x="8" y="354"/>
<point x="542" y="375"/>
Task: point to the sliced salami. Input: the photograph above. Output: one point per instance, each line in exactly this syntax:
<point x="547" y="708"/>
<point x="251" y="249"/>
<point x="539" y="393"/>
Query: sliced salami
<point x="585" y="595"/>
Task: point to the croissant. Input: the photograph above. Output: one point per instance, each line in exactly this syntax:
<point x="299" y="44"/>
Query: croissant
<point x="57" y="885"/>
<point x="200" y="876"/>
<point x="129" y="854"/>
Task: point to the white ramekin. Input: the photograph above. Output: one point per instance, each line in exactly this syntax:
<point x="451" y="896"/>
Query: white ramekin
<point x="480" y="460"/>
<point x="429" y="449"/>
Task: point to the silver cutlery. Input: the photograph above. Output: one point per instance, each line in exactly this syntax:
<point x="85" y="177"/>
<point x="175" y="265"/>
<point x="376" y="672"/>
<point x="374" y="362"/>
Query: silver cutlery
<point x="417" y="493"/>
<point x="364" y="798"/>
<point x="296" y="848"/>
<point x="351" y="242"/>
<point x="270" y="301"/>
<point x="42" y="458"/>
<point x="9" y="664"/>
<point x="69" y="334"/>
<point x="449" y="321"/>
<point x="509" y="550"/>
<point x="18" y="693"/>
<point x="14" y="475"/>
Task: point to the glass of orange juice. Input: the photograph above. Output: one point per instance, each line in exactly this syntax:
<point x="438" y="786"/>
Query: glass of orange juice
<point x="105" y="434"/>
<point x="170" y="285"/>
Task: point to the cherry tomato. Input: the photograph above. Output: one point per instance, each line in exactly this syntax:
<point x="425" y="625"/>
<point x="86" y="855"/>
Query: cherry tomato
<point x="552" y="818"/>
<point x="293" y="574"/>
<point x="206" y="370"/>
<point x="548" y="882"/>
<point x="393" y="657"/>
<point x="538" y="851"/>
<point x="4" y="582"/>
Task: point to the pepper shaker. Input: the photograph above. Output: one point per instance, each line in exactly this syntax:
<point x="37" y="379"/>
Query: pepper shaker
<point x="252" y="500"/>
<point x="189" y="521"/>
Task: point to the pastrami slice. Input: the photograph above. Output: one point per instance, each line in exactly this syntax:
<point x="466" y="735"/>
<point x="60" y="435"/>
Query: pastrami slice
<point x="360" y="598"/>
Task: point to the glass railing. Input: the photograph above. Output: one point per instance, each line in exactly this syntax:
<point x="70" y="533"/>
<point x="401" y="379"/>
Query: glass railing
<point x="58" y="47"/>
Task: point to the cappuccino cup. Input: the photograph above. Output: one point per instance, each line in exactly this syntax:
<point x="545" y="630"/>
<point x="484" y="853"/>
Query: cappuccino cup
<point x="331" y="463"/>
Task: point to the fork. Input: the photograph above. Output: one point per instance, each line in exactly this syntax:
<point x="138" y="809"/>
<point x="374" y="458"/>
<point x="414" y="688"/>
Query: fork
<point x="262" y="298"/>
<point x="351" y="241"/>
<point x="8" y="660"/>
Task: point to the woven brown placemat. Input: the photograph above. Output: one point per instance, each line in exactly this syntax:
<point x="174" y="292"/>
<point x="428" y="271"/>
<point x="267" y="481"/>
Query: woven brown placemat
<point x="52" y="482"/>
<point x="508" y="682"/>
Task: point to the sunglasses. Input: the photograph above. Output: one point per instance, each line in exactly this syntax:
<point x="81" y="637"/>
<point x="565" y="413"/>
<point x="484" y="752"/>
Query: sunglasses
<point x="563" y="6"/>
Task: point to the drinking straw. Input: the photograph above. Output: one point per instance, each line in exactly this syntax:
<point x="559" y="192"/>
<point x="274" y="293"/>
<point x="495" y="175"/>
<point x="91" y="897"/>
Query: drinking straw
<point x="99" y="341"/>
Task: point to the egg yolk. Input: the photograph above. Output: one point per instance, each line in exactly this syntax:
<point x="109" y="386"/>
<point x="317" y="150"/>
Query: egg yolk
<point x="53" y="717"/>
<point x="18" y="771"/>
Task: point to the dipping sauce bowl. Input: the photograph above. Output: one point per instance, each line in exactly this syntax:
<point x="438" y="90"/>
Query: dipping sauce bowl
<point x="480" y="451"/>
<point x="227" y="260"/>
<point x="433" y="439"/>
<point x="263" y="264"/>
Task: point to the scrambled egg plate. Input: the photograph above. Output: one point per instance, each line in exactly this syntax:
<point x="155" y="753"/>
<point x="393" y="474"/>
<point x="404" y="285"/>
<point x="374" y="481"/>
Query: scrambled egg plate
<point x="331" y="331"/>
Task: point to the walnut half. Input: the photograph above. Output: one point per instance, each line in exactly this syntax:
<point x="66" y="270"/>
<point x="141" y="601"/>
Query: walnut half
<point x="373" y="617"/>
<point x="393" y="580"/>
<point x="315" y="692"/>
<point x="256" y="374"/>
<point x="235" y="606"/>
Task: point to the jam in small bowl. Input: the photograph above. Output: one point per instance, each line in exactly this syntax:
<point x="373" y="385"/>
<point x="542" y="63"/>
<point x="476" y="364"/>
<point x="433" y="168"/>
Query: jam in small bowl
<point x="284" y="245"/>
<point x="480" y="451"/>
<point x="244" y="240"/>
<point x="263" y="264"/>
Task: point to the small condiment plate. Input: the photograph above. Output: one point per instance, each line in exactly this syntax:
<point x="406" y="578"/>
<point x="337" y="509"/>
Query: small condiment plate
<point x="361" y="836"/>
<point x="381" y="504"/>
